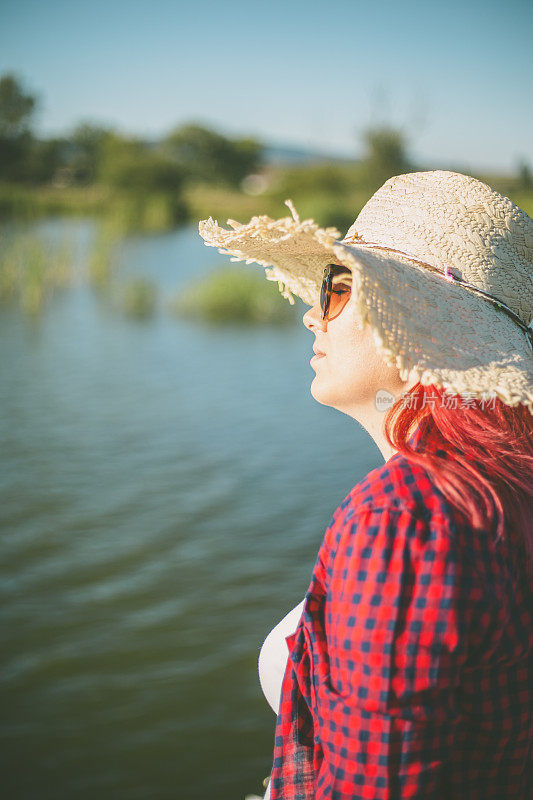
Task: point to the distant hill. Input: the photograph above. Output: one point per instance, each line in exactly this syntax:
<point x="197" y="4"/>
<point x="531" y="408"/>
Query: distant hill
<point x="278" y="154"/>
<point x="285" y="155"/>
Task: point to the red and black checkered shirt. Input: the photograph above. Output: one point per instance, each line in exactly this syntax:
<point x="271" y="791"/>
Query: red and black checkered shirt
<point x="410" y="674"/>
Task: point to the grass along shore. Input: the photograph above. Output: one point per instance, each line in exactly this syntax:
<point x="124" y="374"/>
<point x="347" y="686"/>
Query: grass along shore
<point x="332" y="194"/>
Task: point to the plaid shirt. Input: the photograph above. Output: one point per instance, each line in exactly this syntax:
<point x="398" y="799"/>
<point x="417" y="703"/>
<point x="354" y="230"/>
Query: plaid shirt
<point x="410" y="674"/>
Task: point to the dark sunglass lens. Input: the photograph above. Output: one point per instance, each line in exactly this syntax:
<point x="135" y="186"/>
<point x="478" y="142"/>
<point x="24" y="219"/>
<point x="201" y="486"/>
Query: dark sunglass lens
<point x="335" y="291"/>
<point x="325" y="293"/>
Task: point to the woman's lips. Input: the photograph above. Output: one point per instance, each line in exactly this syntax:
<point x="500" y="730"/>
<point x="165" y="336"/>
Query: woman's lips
<point x="316" y="357"/>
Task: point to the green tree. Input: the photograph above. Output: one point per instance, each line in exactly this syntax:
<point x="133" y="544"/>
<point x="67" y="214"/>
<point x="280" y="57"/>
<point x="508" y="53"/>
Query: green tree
<point x="386" y="155"/>
<point x="129" y="166"/>
<point x="88" y="144"/>
<point x="208" y="156"/>
<point x="147" y="184"/>
<point x="43" y="159"/>
<point x="16" y="109"/>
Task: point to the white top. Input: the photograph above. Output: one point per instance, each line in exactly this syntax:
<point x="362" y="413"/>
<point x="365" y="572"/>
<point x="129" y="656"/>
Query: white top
<point x="273" y="660"/>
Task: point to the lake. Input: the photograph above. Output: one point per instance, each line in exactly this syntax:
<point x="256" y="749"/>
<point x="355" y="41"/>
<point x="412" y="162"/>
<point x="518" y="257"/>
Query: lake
<point x="166" y="485"/>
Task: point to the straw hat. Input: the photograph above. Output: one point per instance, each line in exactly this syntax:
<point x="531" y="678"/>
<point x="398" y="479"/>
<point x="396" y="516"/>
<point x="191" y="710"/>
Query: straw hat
<point x="442" y="272"/>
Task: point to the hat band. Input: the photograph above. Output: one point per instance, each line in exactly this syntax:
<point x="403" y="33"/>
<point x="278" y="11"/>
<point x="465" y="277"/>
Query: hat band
<point x="445" y="273"/>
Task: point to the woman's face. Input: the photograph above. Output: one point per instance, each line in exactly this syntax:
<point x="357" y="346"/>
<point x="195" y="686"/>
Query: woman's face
<point x="352" y="376"/>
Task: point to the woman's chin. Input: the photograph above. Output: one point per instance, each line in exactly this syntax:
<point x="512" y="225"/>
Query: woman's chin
<point x="319" y="391"/>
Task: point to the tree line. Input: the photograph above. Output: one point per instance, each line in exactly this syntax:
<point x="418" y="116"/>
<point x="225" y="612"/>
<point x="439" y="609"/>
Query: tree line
<point x="97" y="154"/>
<point x="149" y="181"/>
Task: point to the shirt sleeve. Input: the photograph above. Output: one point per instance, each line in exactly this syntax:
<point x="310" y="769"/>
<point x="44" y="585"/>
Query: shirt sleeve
<point x="387" y="703"/>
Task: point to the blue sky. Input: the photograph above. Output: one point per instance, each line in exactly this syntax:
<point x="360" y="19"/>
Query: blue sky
<point x="455" y="78"/>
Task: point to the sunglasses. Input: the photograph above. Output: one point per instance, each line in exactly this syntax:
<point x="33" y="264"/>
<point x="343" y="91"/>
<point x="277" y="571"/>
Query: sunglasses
<point x="335" y="292"/>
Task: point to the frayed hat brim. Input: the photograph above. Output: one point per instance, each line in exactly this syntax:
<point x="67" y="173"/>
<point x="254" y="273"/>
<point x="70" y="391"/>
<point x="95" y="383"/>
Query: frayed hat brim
<point x="449" y="336"/>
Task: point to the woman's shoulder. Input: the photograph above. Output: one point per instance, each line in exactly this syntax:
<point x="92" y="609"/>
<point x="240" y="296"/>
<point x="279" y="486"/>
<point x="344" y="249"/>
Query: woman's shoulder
<point x="397" y="501"/>
<point x="400" y="504"/>
<point x="402" y="485"/>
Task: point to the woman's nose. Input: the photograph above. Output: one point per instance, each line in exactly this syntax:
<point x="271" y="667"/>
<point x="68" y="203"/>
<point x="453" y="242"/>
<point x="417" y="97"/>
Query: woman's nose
<point x="313" y="318"/>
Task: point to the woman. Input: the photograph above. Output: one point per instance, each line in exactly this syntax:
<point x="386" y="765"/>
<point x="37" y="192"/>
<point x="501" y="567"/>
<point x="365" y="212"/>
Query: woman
<point x="410" y="660"/>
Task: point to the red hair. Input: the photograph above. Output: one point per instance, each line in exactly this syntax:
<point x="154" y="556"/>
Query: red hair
<point x="490" y="478"/>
